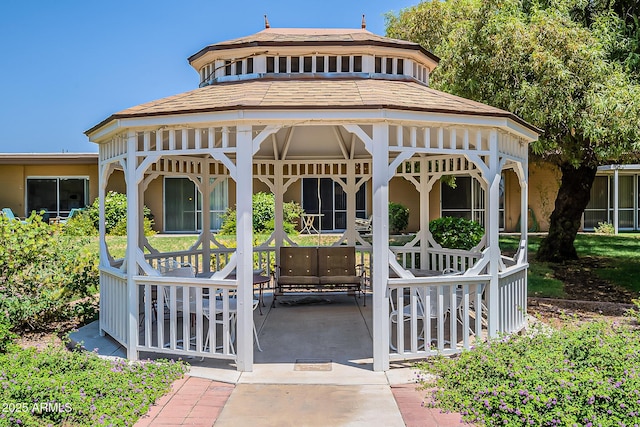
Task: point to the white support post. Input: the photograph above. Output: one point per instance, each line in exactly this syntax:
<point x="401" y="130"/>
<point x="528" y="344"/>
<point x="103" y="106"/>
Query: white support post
<point x="425" y="189"/>
<point x="380" y="271"/>
<point x="244" y="251"/>
<point x="351" y="191"/>
<point x="206" y="217"/>
<point x="524" y="215"/>
<point x="278" y="192"/>
<point x="492" y="229"/>
<point x="616" y="203"/>
<point x="103" y="244"/>
<point x="132" y="244"/>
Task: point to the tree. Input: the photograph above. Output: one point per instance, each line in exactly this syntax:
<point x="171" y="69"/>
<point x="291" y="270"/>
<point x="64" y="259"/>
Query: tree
<point x="537" y="61"/>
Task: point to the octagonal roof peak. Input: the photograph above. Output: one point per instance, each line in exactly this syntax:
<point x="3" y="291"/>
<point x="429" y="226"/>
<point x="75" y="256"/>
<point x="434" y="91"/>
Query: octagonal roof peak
<point x="338" y="40"/>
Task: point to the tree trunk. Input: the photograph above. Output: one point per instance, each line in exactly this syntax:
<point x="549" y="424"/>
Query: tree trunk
<point x="573" y="197"/>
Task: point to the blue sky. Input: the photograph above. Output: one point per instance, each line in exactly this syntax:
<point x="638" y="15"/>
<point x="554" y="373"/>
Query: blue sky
<point x="66" y="65"/>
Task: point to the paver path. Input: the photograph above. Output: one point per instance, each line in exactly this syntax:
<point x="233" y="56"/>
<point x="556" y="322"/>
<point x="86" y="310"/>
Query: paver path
<point x="200" y="402"/>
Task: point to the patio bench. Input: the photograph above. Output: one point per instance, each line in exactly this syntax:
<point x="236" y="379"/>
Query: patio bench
<point x="324" y="269"/>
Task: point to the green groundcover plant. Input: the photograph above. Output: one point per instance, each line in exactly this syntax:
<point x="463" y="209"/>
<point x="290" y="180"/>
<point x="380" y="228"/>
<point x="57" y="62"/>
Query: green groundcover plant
<point x="59" y="387"/>
<point x="587" y="375"/>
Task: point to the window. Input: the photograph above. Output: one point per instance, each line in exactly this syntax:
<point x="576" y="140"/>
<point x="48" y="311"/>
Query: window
<point x="400" y="66"/>
<point x="249" y="65"/>
<point x="597" y="209"/>
<point x="227" y="68"/>
<point x="357" y="64"/>
<point x="602" y="202"/>
<point x="295" y="64"/>
<point x="57" y="196"/>
<point x="344" y="65"/>
<point x="330" y="200"/>
<point x="271" y="64"/>
<point x="307" y="64"/>
<point x="389" y="69"/>
<point x="333" y="64"/>
<point x="467" y="200"/>
<point x="378" y="64"/>
<point x="183" y="205"/>
<point x="282" y="64"/>
<point x="319" y="64"/>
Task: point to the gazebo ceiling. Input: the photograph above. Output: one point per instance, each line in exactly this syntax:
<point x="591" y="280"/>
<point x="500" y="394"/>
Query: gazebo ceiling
<point x="308" y="93"/>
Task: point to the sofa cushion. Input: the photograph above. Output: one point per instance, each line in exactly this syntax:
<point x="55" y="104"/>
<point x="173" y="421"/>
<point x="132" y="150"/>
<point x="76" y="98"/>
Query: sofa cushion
<point x="339" y="280"/>
<point x="337" y="261"/>
<point x="298" y="261"/>
<point x="298" y="280"/>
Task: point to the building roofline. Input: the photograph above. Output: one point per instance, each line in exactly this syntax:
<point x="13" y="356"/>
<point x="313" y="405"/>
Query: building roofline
<point x="48" y="158"/>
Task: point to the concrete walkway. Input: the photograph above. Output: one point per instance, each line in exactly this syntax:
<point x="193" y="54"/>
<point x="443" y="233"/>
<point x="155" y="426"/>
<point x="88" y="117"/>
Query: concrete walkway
<point x="315" y="370"/>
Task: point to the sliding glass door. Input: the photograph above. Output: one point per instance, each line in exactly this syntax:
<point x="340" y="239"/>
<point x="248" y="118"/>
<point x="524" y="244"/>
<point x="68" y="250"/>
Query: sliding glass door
<point x="323" y="195"/>
<point x="183" y="205"/>
<point x="56" y="196"/>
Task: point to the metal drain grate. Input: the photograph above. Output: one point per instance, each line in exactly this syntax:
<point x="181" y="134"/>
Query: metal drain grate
<point x="312" y="365"/>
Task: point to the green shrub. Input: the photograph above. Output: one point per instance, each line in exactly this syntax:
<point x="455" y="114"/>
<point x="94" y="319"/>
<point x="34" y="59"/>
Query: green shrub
<point x="263" y="205"/>
<point x="87" y="389"/>
<point x="81" y="224"/>
<point x="585" y="375"/>
<point x="41" y="272"/>
<point x="398" y="217"/>
<point x="456" y="233"/>
<point x="115" y="218"/>
<point x="604" y="228"/>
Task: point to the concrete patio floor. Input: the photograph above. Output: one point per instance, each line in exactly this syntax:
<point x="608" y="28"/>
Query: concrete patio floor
<point x="316" y="369"/>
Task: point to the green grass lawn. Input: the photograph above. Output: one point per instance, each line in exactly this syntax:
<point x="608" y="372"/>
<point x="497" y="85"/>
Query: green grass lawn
<point x="620" y="255"/>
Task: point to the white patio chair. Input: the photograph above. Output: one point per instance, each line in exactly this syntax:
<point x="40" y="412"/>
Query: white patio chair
<point x="421" y="313"/>
<point x="233" y="314"/>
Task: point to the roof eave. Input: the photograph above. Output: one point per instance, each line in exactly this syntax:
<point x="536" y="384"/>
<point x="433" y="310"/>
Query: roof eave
<point x="120" y="121"/>
<point x="269" y="43"/>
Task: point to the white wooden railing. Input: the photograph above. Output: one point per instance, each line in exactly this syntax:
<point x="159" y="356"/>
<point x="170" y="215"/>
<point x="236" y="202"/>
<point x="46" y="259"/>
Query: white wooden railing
<point x="114" y="309"/>
<point x="264" y="258"/>
<point x="187" y="316"/>
<point x="436" y="315"/>
<point x="512" y="299"/>
<point x="436" y="259"/>
<point x="169" y="323"/>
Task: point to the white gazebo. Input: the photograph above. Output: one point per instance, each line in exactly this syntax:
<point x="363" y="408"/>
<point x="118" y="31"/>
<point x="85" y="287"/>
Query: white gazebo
<point x="281" y="105"/>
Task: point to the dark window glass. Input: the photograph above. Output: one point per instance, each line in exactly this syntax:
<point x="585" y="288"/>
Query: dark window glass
<point x="378" y="64"/>
<point x="319" y="64"/>
<point x="389" y="69"/>
<point x="180" y="204"/>
<point x="295" y="64"/>
<point x="249" y="65"/>
<point x="333" y="64"/>
<point x="271" y="64"/>
<point x="456" y="202"/>
<point x="238" y="67"/>
<point x="344" y="66"/>
<point x="283" y="64"/>
<point x="307" y="64"/>
<point x="227" y="68"/>
<point x="357" y="64"/>
<point x="400" y="66"/>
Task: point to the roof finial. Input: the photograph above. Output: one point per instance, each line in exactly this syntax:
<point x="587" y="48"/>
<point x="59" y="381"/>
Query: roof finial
<point x="266" y="22"/>
<point x="364" y="23"/>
